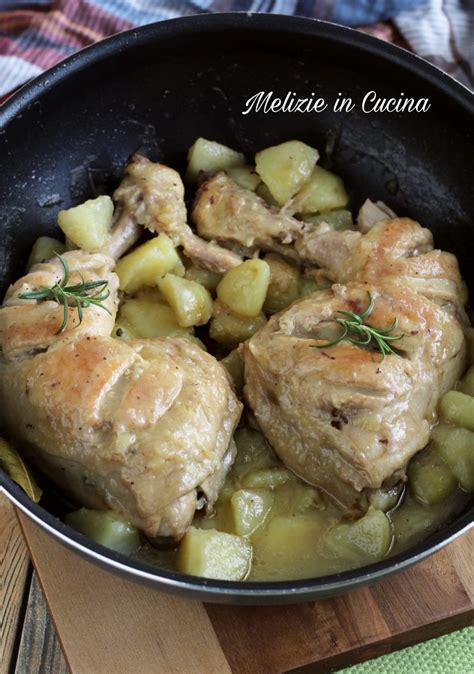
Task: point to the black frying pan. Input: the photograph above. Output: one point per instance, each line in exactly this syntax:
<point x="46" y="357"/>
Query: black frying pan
<point x="67" y="135"/>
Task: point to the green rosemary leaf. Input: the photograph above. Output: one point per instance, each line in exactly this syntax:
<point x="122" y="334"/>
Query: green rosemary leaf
<point x="81" y="295"/>
<point x="358" y="333"/>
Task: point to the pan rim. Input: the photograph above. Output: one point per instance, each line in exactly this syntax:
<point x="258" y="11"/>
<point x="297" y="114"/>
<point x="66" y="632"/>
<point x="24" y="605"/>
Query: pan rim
<point x="223" y="590"/>
<point x="210" y="590"/>
<point x="101" y="50"/>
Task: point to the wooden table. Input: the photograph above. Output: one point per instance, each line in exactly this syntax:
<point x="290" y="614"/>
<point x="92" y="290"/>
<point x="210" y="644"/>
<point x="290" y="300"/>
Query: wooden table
<point x="28" y="642"/>
<point x="107" y="624"/>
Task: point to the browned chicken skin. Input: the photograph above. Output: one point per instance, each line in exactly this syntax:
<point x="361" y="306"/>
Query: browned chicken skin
<point x="341" y="417"/>
<point x="225" y="212"/>
<point x="152" y="195"/>
<point x="139" y="427"/>
<point x="144" y="427"/>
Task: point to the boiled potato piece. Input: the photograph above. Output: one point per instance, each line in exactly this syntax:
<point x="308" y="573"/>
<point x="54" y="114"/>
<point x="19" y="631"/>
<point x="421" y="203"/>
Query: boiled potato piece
<point x="412" y="522"/>
<point x="295" y="497"/>
<point x="308" y="286"/>
<point x="430" y="478"/>
<point x="210" y="157"/>
<point x="324" y="191"/>
<point x="285" y="168"/>
<point x="458" y="409"/>
<point x="284" y="285"/>
<point x="205" y="277"/>
<point x="339" y="219"/>
<point x="105" y="528"/>
<point x="150" y="294"/>
<point x="148" y="263"/>
<point x="88" y="224"/>
<point x="266" y="478"/>
<point x="190" y="301"/>
<point x="253" y="453"/>
<point x="243" y="289"/>
<point x="466" y="384"/>
<point x="229" y="329"/>
<point x="123" y="329"/>
<point x="245" y="176"/>
<point x="70" y="245"/>
<point x="286" y="546"/>
<point x="44" y="249"/>
<point x="470" y="345"/>
<point x="234" y="365"/>
<point x="249" y="508"/>
<point x="149" y="319"/>
<point x="214" y="554"/>
<point x="265" y="194"/>
<point x="456" y="446"/>
<point x="366" y="540"/>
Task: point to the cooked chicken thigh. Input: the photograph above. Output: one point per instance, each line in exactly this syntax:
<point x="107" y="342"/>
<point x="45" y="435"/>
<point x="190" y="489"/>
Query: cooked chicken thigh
<point x="139" y="427"/>
<point x="152" y="195"/>
<point x="341" y="417"/>
<point x="230" y="214"/>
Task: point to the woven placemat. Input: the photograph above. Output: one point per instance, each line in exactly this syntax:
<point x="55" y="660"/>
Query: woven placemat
<point x="451" y="654"/>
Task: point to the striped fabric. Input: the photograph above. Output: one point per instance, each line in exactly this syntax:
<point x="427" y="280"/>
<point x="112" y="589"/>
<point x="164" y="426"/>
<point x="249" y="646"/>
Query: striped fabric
<point x="36" y="34"/>
<point x="443" y="33"/>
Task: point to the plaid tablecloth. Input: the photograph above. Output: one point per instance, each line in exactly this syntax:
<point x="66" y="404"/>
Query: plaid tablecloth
<point x="34" y="35"/>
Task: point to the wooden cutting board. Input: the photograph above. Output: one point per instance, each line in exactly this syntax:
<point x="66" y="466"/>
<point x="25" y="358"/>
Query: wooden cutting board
<point x="106" y="624"/>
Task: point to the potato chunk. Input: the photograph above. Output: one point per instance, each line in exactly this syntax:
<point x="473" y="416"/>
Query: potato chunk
<point x="214" y="554"/>
<point x="470" y="345"/>
<point x="44" y="249"/>
<point x="149" y="319"/>
<point x="245" y="176"/>
<point x="234" y="365"/>
<point x="284" y="285"/>
<point x="431" y="481"/>
<point x="249" y="508"/>
<point x="265" y="194"/>
<point x="253" y="452"/>
<point x="124" y="330"/>
<point x="366" y="540"/>
<point x="148" y="263"/>
<point x="458" y="409"/>
<point x="467" y="382"/>
<point x="285" y="168"/>
<point x="412" y="522"/>
<point x="308" y="286"/>
<point x="208" y="279"/>
<point x="340" y="219"/>
<point x="190" y="301"/>
<point x="88" y="224"/>
<point x="285" y="547"/>
<point x="324" y="191"/>
<point x="210" y="157"/>
<point x="243" y="289"/>
<point x="266" y="478"/>
<point x="295" y="497"/>
<point x="228" y="329"/>
<point x="456" y="446"/>
<point x="105" y="528"/>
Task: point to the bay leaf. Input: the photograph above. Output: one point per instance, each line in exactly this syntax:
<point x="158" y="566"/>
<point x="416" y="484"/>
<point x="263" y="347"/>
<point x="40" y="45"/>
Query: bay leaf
<point x="17" y="470"/>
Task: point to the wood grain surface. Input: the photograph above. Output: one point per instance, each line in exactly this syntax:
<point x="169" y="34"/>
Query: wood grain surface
<point x="14" y="577"/>
<point x="39" y="649"/>
<point x="108" y="625"/>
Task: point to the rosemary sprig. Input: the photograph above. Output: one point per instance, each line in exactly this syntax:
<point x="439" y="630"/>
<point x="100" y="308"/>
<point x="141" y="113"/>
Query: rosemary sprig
<point x="82" y="295"/>
<point x="355" y="331"/>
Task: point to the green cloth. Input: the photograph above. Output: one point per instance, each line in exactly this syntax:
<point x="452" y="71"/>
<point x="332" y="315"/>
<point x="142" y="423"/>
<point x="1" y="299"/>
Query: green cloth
<point x="451" y="654"/>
